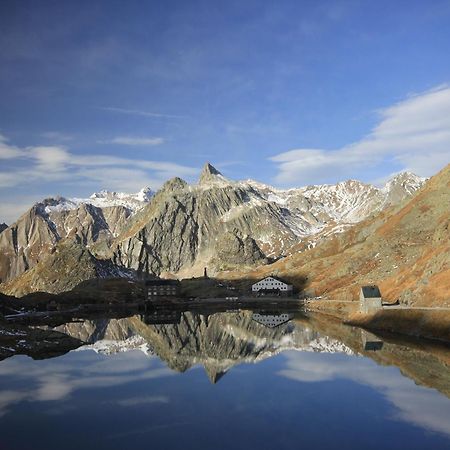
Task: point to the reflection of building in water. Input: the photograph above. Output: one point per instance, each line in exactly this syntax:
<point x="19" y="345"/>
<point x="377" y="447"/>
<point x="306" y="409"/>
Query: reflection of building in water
<point x="272" y="286"/>
<point x="371" y="342"/>
<point x="162" y="288"/>
<point x="161" y="317"/>
<point x="272" y="320"/>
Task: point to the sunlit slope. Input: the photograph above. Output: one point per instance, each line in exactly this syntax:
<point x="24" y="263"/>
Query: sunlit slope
<point x="405" y="250"/>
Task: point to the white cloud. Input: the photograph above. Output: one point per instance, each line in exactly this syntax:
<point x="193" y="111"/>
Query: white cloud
<point x="413" y="134"/>
<point x="142" y="400"/>
<point x="135" y="141"/>
<point x="56" y="136"/>
<point x="8" y="151"/>
<point x="414" y="404"/>
<point x="139" y="112"/>
<point x="50" y="158"/>
<point x="57" y="163"/>
<point x="57" y="379"/>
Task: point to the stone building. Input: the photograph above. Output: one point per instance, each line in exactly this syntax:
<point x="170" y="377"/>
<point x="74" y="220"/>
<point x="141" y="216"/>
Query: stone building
<point x="370" y="299"/>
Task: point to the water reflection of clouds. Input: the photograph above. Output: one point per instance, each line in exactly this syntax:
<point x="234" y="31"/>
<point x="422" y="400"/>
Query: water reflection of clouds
<point x="419" y="405"/>
<point x="56" y="379"/>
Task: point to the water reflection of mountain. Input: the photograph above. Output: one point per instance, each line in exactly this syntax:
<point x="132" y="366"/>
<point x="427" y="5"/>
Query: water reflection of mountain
<point x="217" y="341"/>
<point x="34" y="342"/>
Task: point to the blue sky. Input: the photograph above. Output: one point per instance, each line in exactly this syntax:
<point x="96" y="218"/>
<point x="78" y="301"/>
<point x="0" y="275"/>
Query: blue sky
<point x="119" y="95"/>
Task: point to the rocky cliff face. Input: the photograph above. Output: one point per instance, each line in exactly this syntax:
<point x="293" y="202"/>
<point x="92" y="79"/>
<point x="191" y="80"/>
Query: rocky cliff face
<point x="184" y="226"/>
<point x="65" y="267"/>
<point x="36" y="233"/>
<point x="223" y="224"/>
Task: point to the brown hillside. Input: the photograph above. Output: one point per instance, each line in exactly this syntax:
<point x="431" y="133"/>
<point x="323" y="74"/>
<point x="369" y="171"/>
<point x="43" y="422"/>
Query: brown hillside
<point x="405" y="250"/>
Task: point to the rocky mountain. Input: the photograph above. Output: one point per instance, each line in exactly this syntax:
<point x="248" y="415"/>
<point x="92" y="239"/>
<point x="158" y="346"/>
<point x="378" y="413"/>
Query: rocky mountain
<point x="405" y="249"/>
<point x="223" y="224"/>
<point x="87" y="221"/>
<point x="218" y="223"/>
<point x="3" y="227"/>
<point x="65" y="267"/>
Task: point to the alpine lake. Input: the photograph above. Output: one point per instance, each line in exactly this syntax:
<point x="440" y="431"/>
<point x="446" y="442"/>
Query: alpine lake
<point x="209" y="379"/>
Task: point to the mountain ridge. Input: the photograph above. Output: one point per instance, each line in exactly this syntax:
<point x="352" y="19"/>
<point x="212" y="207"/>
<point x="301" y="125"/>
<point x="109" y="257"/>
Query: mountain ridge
<point x="405" y="249"/>
<point x="182" y="228"/>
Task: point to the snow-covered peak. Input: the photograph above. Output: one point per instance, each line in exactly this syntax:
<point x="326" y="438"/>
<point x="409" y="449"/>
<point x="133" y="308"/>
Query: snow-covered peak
<point x="103" y="199"/>
<point x="409" y="181"/>
<point x="145" y="194"/>
<point x="111" y="347"/>
<point x="111" y="198"/>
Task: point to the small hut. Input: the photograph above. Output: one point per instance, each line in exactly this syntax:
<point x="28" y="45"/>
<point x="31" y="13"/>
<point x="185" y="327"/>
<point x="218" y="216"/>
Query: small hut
<point x="370" y="299"/>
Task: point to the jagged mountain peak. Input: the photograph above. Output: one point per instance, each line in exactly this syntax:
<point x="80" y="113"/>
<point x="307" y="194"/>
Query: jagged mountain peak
<point x="174" y="184"/>
<point x="210" y="175"/>
<point x="405" y="179"/>
<point x="401" y="186"/>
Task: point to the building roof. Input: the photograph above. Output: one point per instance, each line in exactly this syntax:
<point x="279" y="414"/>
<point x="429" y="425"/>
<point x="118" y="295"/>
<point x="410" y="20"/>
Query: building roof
<point x="371" y="291"/>
<point x="275" y="278"/>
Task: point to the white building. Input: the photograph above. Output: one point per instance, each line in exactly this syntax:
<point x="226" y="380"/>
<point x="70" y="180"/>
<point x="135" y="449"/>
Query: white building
<point x="272" y="285"/>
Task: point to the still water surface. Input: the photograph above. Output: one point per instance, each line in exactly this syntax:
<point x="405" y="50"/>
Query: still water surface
<point x="237" y="380"/>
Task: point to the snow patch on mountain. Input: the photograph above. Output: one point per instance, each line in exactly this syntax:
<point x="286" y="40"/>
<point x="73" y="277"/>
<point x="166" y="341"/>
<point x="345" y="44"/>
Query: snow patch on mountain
<point x="104" y="199"/>
<point x="111" y="347"/>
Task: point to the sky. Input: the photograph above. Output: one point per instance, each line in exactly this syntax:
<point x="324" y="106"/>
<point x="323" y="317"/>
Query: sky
<point x="120" y="95"/>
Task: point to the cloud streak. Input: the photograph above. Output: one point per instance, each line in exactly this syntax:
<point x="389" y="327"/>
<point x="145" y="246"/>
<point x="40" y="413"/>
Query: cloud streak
<point x="139" y="112"/>
<point x="414" y="404"/>
<point x="135" y="141"/>
<point x="58" y="379"/>
<point x="57" y="163"/>
<point x="414" y="134"/>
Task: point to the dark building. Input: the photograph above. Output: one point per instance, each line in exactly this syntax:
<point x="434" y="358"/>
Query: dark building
<point x="161" y="317"/>
<point x="162" y="288"/>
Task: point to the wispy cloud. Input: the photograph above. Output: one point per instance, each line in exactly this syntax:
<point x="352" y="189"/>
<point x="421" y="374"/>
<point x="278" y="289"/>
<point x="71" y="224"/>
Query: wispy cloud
<point x="414" y="404"/>
<point x="134" y="141"/>
<point x="8" y="151"/>
<point x="58" y="163"/>
<point x="142" y="400"/>
<point x="56" y="136"/>
<point x="139" y="112"/>
<point x="56" y="380"/>
<point x="414" y="134"/>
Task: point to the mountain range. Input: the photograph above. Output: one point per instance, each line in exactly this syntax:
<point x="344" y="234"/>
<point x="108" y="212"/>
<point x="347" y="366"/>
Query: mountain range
<point x="218" y="223"/>
<point x="404" y="249"/>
